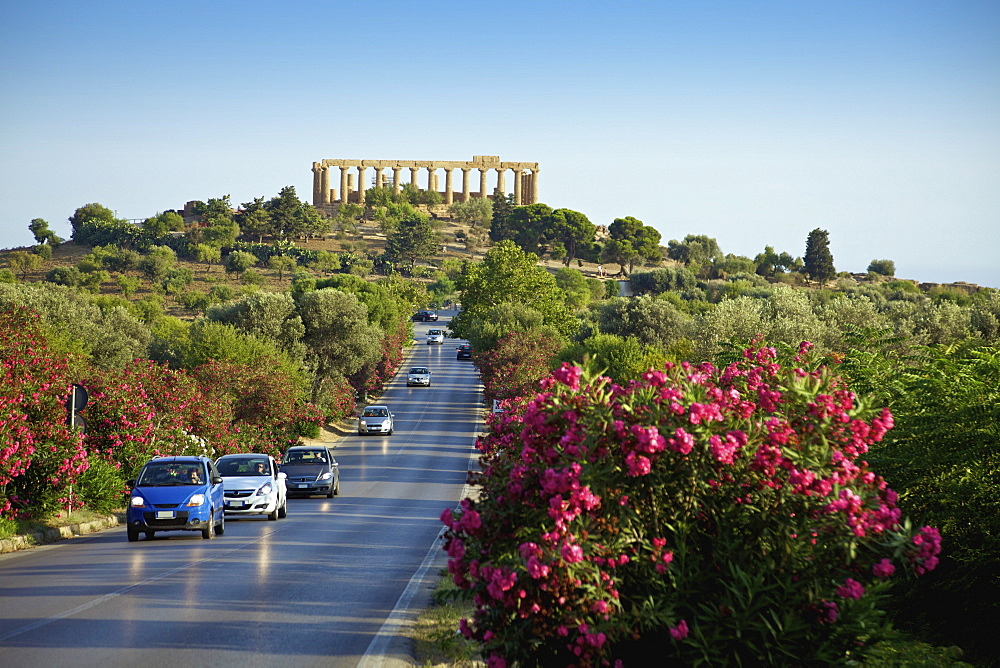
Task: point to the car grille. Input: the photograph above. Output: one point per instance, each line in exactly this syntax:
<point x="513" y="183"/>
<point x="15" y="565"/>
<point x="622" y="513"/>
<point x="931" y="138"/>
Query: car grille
<point x="166" y="505"/>
<point x="303" y="479"/>
<point x="178" y="521"/>
<point x="239" y="493"/>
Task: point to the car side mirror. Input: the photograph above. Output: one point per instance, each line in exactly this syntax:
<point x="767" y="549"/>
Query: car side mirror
<point x="216" y="480"/>
<point x="282" y="475"/>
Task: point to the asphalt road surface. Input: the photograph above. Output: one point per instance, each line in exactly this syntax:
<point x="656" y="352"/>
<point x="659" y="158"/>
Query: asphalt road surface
<point x="320" y="587"/>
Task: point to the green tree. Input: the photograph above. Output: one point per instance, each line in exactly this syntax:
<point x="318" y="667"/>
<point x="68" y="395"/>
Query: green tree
<point x="238" y="262"/>
<point x="43" y="235"/>
<point x="818" y="261"/>
<point x="281" y="264"/>
<point x="620" y="252"/>
<point x="477" y="211"/>
<point x="88" y="213"/>
<point x="643" y="239"/>
<point x="268" y="316"/>
<point x="415" y="239"/>
<point x="157" y="263"/>
<point x="882" y="267"/>
<point x="532" y="227"/>
<point x="500" y="224"/>
<point x="23" y="262"/>
<point x="508" y="274"/>
<point x="207" y="254"/>
<point x="338" y="337"/>
<point x="574" y="230"/>
<point x="254" y="219"/>
<point x="285" y="211"/>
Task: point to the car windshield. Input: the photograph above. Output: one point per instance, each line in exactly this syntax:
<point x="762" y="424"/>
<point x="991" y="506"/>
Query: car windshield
<point x="243" y="466"/>
<point x="418" y="370"/>
<point x="299" y="457"/>
<point x="171" y="473"/>
<point x="434" y="332"/>
<point x="375" y="412"/>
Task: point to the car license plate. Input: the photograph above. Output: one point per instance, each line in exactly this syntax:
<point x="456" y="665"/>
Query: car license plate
<point x="164" y="514"/>
<point x="303" y="486"/>
<point x="236" y="504"/>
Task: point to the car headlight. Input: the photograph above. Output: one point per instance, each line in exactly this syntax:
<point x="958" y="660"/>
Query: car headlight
<point x="196" y="500"/>
<point x="364" y="423"/>
<point x="266" y="489"/>
<point x="326" y="476"/>
<point x="137" y="502"/>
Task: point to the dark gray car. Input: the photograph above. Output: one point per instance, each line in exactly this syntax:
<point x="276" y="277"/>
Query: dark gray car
<point x="311" y="470"/>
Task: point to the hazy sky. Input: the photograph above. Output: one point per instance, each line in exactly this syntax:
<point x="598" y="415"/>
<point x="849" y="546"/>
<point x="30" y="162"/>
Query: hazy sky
<point x="750" y="122"/>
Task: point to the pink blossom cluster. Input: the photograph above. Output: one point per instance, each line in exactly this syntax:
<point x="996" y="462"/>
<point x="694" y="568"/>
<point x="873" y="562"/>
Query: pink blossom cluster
<point x="760" y="462"/>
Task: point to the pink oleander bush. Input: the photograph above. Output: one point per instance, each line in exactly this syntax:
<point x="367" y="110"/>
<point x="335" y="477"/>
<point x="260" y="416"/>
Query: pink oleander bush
<point x="698" y="515"/>
<point x="40" y="458"/>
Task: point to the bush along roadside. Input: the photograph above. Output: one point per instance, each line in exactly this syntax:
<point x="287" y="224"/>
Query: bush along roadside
<point x="722" y="516"/>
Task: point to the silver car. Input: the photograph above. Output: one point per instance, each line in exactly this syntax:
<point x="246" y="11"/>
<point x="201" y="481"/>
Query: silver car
<point x="418" y="375"/>
<point x="375" y="420"/>
<point x="435" y="336"/>
<point x="253" y="485"/>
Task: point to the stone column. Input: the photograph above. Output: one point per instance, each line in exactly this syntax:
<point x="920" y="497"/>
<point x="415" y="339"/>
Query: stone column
<point x="449" y="196"/>
<point x="414" y="171"/>
<point x="379" y="182"/>
<point x="361" y="185"/>
<point x="466" y="188"/>
<point x="501" y="180"/>
<point x="534" y="187"/>
<point x="395" y="179"/>
<point x="325" y="185"/>
<point x="317" y="184"/>
<point x="482" y="182"/>
<point x="344" y="192"/>
<point x="432" y="178"/>
<point x="517" y="187"/>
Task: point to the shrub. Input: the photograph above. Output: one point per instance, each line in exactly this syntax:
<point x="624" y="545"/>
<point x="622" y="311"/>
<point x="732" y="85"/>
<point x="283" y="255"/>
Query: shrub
<point x="703" y="516"/>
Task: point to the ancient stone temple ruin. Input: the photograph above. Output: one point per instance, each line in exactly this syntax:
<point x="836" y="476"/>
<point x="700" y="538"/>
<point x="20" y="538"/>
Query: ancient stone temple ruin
<point x="353" y="179"/>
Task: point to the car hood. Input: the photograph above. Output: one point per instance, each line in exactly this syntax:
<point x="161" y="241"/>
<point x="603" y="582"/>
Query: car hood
<point x="171" y="494"/>
<point x="246" y="481"/>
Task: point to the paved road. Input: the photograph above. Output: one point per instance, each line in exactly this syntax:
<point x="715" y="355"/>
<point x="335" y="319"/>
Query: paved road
<point x="312" y="589"/>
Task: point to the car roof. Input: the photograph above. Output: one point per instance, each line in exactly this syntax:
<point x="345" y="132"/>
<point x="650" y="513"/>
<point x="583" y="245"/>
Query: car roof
<point x="190" y="459"/>
<point x="307" y="447"/>
<point x="376" y="406"/>
<point x="244" y="454"/>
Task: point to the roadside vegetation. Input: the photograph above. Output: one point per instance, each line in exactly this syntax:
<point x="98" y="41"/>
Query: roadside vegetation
<point x="229" y="328"/>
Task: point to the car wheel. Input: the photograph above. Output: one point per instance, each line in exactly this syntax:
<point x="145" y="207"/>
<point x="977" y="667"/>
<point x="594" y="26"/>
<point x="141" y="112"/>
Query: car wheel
<point x="273" y="515"/>
<point x="361" y="433"/>
<point x="208" y="533"/>
<point x="133" y="534"/>
<point x="336" y="487"/>
<point x="221" y="529"/>
<point x="390" y="432"/>
<point x="149" y="534"/>
<point x="333" y="489"/>
<point x="283" y="511"/>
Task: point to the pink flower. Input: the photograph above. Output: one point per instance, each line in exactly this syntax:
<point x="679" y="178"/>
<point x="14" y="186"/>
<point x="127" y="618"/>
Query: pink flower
<point x="572" y="554"/>
<point x="851" y="589"/>
<point x="883" y="569"/>
<point x="680" y="631"/>
<point x="637" y="464"/>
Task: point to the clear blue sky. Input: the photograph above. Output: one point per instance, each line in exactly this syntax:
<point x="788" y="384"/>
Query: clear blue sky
<point x="750" y="122"/>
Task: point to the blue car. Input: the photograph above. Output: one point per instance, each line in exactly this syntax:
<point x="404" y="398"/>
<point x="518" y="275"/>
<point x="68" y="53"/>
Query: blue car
<point x="176" y="494"/>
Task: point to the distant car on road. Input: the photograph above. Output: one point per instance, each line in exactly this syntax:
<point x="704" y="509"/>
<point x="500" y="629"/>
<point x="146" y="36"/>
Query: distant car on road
<point x="418" y="375"/>
<point x="375" y="420"/>
<point x="253" y="485"/>
<point x="176" y="494"/>
<point x="311" y="469"/>
<point x="425" y="316"/>
<point x="435" y="336"/>
<point x="464" y="352"/>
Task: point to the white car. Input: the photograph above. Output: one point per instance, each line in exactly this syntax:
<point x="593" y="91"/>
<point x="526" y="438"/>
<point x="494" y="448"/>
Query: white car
<point x="418" y="375"/>
<point x="375" y="420"/>
<point x="253" y="485"/>
<point x="435" y="336"/>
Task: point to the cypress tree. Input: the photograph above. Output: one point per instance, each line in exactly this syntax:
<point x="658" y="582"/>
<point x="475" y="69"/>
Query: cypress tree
<point x="818" y="261"/>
